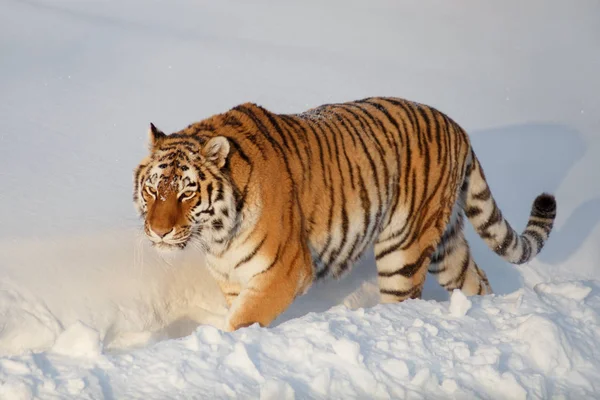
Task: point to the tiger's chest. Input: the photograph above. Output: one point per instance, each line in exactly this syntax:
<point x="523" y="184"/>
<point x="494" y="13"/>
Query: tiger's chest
<point x="238" y="264"/>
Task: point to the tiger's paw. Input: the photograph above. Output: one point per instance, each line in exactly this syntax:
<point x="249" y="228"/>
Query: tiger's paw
<point x="233" y="324"/>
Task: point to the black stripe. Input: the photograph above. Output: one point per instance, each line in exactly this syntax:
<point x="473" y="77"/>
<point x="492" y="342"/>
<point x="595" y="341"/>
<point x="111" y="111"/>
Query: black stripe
<point x="438" y="134"/>
<point x="399" y="293"/>
<point x="265" y="131"/>
<point x="546" y="226"/>
<point x="494" y="218"/>
<point x="251" y="254"/>
<point x="209" y="192"/>
<point x="320" y="148"/>
<point x="365" y="127"/>
<point x="409" y="112"/>
<point x="210" y="211"/>
<point x="409" y="270"/>
<point x="296" y="126"/>
<point x="345" y="226"/>
<point x="251" y="135"/>
<point x="438" y="270"/>
<point x="526" y="248"/>
<point x="392" y="120"/>
<point x="418" y="128"/>
<point x="201" y="174"/>
<point x="350" y="165"/>
<point x="351" y="254"/>
<point x="278" y="129"/>
<point x="412" y="223"/>
<point x="238" y="150"/>
<point x="375" y="121"/>
<point x="282" y="133"/>
<point x="365" y="203"/>
<point x="373" y="170"/>
<point x="422" y="111"/>
<point x="231" y="120"/>
<point x="292" y="262"/>
<point x="365" y="149"/>
<point x="460" y="280"/>
<point x="503" y="248"/>
<point x="220" y="196"/>
<point x="322" y="136"/>
<point x="472" y="211"/>
<point x="484" y="195"/>
<point x="251" y="113"/>
<point x="371" y="134"/>
<point x="426" y="155"/>
<point x="537" y="237"/>
<point x="344" y="212"/>
<point x="332" y="197"/>
<point x="272" y="264"/>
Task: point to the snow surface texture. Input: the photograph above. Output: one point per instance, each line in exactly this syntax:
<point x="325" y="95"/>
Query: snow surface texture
<point x="88" y="310"/>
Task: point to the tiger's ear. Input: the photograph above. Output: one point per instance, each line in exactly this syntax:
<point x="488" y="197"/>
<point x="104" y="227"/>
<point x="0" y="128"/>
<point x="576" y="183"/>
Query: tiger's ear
<point x="154" y="136"/>
<point x="216" y="150"/>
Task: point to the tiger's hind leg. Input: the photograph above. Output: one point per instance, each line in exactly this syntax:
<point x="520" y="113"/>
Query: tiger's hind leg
<point x="453" y="265"/>
<point x="402" y="264"/>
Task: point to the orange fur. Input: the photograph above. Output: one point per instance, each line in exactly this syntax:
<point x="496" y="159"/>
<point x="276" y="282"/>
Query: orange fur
<point x="277" y="201"/>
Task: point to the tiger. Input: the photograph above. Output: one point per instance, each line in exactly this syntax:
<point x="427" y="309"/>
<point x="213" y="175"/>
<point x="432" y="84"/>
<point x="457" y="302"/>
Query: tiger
<point x="277" y="202"/>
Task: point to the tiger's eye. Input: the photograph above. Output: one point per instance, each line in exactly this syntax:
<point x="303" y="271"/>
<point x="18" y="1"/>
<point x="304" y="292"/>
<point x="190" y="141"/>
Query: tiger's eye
<point x="188" y="194"/>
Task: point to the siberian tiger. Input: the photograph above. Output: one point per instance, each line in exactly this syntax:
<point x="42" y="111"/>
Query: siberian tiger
<point x="279" y="201"/>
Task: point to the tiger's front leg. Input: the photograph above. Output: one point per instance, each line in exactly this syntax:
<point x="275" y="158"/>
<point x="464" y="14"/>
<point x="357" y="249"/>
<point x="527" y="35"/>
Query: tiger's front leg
<point x="230" y="290"/>
<point x="270" y="292"/>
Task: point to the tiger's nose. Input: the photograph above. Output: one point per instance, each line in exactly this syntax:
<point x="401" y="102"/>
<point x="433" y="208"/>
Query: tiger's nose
<point x="161" y="232"/>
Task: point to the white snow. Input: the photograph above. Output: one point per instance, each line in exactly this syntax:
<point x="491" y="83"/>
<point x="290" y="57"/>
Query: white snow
<point x="459" y="304"/>
<point x="88" y="310"/>
<point x="78" y="340"/>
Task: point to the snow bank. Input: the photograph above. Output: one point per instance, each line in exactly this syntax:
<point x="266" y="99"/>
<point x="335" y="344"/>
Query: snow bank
<point x="113" y="283"/>
<point x="507" y="347"/>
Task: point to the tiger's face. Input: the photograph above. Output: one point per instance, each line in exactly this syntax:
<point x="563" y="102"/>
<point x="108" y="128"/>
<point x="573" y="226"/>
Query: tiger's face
<point x="182" y="193"/>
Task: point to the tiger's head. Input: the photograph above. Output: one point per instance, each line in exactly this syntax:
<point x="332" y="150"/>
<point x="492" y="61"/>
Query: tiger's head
<point x="183" y="192"/>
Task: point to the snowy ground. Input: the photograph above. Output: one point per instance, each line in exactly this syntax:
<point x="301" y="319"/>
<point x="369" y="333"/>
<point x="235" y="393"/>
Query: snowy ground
<point x="87" y="310"/>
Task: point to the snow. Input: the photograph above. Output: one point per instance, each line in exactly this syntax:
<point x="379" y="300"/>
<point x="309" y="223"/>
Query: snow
<point x="88" y="310"/>
<point x="78" y="340"/>
<point x="459" y="303"/>
<point x="519" y="348"/>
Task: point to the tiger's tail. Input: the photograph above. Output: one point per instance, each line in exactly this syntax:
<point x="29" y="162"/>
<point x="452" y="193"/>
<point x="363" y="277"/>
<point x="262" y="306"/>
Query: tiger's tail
<point x="481" y="209"/>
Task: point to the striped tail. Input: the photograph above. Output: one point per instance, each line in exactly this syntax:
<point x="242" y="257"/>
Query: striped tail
<point x="484" y="214"/>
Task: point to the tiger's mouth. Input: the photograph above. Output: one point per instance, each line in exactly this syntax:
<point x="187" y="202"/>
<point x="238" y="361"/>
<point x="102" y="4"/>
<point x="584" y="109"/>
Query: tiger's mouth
<point x="166" y="247"/>
<point x="166" y="243"/>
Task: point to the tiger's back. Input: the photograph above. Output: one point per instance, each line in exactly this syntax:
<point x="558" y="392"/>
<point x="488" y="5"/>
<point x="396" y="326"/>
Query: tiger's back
<point x="314" y="191"/>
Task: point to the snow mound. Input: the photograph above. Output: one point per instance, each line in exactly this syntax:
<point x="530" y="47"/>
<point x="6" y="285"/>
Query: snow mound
<point x="459" y="304"/>
<point x="78" y="340"/>
<point x="522" y="348"/>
